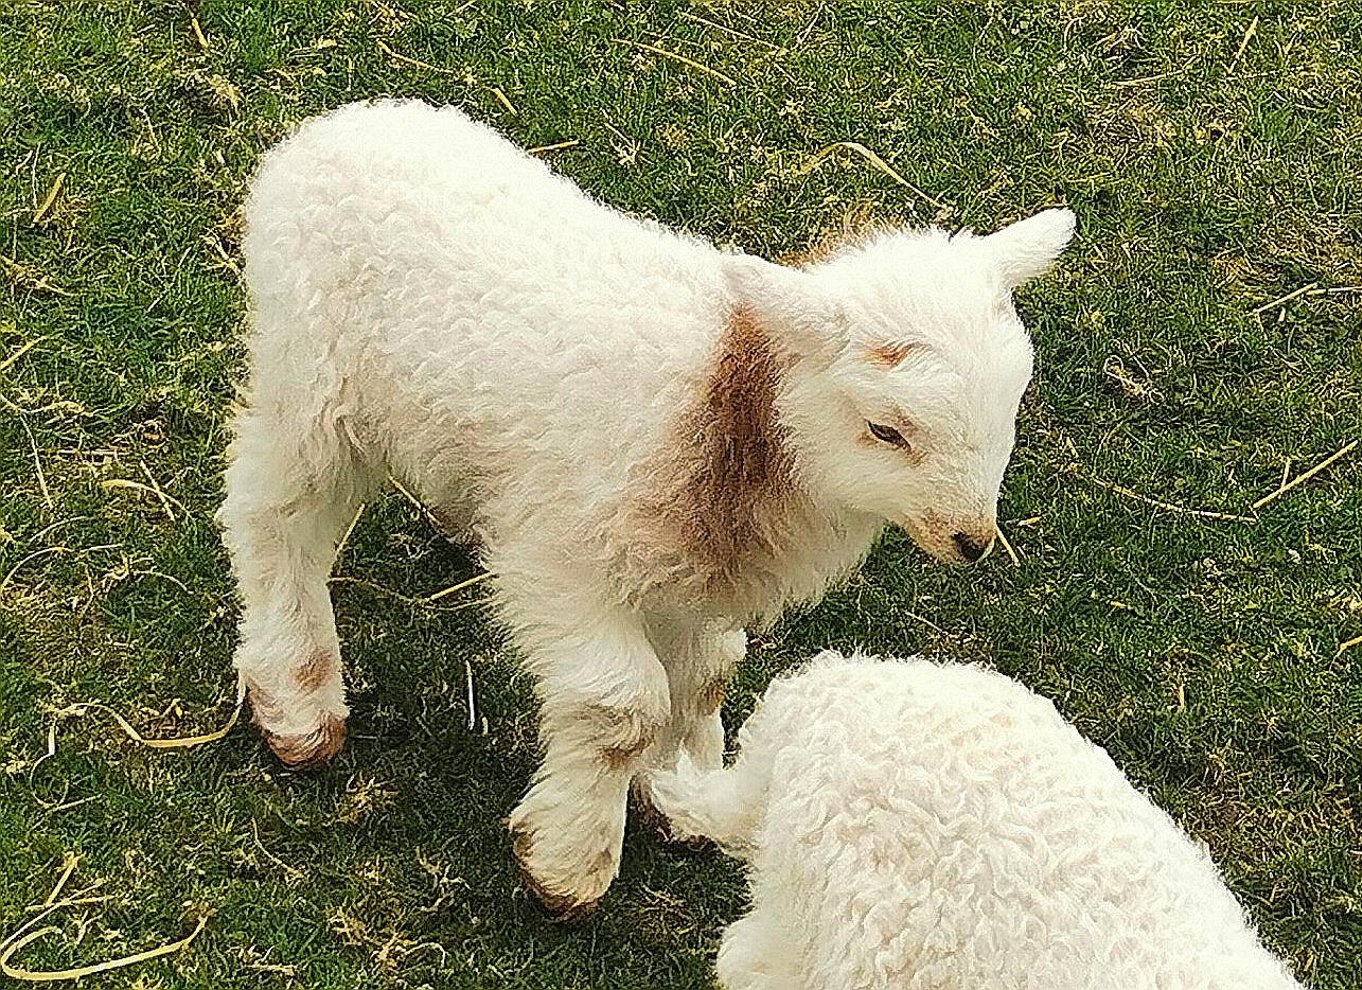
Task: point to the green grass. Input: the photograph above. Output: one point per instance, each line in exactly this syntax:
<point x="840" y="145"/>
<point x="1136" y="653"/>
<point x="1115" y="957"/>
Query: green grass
<point x="1203" y="653"/>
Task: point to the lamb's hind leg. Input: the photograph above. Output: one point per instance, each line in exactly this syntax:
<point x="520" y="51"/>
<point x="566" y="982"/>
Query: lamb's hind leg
<point x="699" y="658"/>
<point x="698" y="693"/>
<point x="291" y="490"/>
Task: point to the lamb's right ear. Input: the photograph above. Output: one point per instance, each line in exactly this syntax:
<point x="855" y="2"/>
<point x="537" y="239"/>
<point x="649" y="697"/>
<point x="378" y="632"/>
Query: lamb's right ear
<point x="788" y="304"/>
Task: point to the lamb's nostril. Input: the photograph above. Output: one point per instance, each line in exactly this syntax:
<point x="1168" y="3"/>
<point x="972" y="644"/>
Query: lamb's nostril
<point x="970" y="548"/>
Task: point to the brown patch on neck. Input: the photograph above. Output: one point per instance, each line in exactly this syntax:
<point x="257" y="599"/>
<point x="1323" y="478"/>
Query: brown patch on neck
<point x="742" y="462"/>
<point x="728" y="476"/>
<point x="894" y="354"/>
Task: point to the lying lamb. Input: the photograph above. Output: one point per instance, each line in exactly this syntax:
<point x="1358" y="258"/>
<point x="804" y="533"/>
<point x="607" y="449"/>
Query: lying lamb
<point x="912" y="825"/>
<point x="654" y="442"/>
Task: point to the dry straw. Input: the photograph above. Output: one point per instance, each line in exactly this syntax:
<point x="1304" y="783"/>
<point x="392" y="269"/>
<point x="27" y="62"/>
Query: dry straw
<point x="1304" y="476"/>
<point x="22" y="937"/>
<point x="1007" y="546"/>
<point x="398" y="56"/>
<point x="878" y="163"/>
<point x="175" y="742"/>
<point x="49" y="199"/>
<point x="677" y="56"/>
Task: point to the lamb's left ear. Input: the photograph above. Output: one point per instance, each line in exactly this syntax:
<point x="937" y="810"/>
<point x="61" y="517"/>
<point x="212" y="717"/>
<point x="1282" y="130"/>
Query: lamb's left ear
<point x="1029" y="247"/>
<point x="787" y="302"/>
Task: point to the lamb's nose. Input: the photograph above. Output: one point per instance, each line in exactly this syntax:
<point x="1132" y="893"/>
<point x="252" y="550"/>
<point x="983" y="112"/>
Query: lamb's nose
<point x="970" y="548"/>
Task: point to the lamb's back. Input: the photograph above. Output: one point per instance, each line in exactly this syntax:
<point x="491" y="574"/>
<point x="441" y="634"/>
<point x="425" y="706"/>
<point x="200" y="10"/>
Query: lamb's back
<point x="948" y="828"/>
<point x="474" y="300"/>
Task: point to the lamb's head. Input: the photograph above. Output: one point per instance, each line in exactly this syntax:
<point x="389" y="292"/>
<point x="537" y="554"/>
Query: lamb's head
<point x="907" y="366"/>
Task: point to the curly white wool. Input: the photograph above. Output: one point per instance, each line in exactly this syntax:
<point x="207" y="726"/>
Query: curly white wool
<point x="915" y="825"/>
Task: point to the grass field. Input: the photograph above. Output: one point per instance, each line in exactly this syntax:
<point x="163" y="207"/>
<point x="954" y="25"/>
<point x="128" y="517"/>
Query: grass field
<point x="1211" y="152"/>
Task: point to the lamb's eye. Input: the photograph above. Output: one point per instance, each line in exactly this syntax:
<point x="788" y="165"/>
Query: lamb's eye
<point x="888" y="434"/>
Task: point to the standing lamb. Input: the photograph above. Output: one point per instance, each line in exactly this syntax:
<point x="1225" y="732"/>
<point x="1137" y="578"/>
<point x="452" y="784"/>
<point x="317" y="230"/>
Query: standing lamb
<point x="916" y="826"/>
<point x="654" y="442"/>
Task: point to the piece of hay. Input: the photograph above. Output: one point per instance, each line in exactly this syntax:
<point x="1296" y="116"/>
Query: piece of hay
<point x="176" y="742"/>
<point x="23" y="273"/>
<point x="453" y="588"/>
<point x="166" y="500"/>
<point x="878" y="163"/>
<point x="570" y="143"/>
<point x="1243" y="45"/>
<point x="49" y="199"/>
<point x="17" y="941"/>
<point x="414" y="61"/>
<point x="419" y="505"/>
<point x="9" y="362"/>
<point x="1282" y="300"/>
<point x="687" y="15"/>
<point x="1304" y="476"/>
<point x="424" y="601"/>
<point x="199" y="36"/>
<point x="349" y="531"/>
<point x="52" y="976"/>
<point x="1169" y="506"/>
<point x="38" y="464"/>
<point x="1002" y="538"/>
<point x="656" y="50"/>
<point x="33" y="556"/>
<point x="472" y="704"/>
<point x="68" y="867"/>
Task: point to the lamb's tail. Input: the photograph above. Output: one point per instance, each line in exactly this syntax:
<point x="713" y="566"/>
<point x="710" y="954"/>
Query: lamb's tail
<point x="722" y="805"/>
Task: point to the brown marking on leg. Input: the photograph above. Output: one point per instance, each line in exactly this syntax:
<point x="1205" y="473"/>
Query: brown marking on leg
<point x="647" y="814"/>
<point x="314" y="672"/>
<point x="624" y="734"/>
<point x="560" y="908"/>
<point x="617" y="758"/>
<point x="300" y="751"/>
<point x="308" y="750"/>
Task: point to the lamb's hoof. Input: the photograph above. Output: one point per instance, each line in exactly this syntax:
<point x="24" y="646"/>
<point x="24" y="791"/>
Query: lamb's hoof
<point x="307" y="750"/>
<point x="561" y="908"/>
<point x="648" y="815"/>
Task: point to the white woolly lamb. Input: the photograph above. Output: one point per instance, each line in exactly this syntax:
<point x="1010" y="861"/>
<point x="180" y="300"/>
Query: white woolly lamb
<point x="940" y="827"/>
<point x="654" y="442"/>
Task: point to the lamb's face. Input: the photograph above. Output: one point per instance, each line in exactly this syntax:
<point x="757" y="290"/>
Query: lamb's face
<point x="911" y="364"/>
<point x="919" y="431"/>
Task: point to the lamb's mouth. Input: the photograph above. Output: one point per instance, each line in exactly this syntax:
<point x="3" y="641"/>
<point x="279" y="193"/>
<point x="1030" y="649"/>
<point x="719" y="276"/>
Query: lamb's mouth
<point x="932" y="540"/>
<point x="944" y="540"/>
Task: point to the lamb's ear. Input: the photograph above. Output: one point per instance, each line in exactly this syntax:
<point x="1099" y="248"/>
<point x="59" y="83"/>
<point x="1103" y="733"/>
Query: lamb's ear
<point x="788" y="304"/>
<point x="1029" y="247"/>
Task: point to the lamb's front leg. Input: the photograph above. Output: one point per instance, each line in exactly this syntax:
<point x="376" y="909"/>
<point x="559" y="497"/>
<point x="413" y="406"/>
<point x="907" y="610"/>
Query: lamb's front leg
<point x="700" y="661"/>
<point x="604" y="699"/>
